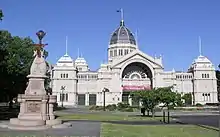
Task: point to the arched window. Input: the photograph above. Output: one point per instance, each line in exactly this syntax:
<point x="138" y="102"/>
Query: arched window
<point x="66" y="75"/>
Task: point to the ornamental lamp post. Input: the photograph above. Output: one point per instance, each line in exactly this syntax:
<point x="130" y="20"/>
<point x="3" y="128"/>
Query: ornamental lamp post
<point x="104" y="90"/>
<point x="62" y="95"/>
<point x="40" y="34"/>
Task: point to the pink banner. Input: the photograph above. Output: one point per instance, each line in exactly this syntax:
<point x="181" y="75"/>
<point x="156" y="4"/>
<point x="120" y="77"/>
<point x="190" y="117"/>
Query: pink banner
<point x="133" y="88"/>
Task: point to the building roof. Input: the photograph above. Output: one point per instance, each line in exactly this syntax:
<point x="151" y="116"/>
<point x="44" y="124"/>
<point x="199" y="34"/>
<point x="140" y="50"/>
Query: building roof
<point x="122" y="35"/>
<point x="80" y="60"/>
<point x="202" y="59"/>
<point x="65" y="59"/>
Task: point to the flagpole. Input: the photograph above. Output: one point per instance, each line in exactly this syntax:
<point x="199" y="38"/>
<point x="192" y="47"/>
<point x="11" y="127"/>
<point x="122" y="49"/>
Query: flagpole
<point x="122" y="14"/>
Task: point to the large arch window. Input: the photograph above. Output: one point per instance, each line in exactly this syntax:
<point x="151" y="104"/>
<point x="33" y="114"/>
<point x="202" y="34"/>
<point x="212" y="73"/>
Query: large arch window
<point x="137" y="68"/>
<point x="137" y="71"/>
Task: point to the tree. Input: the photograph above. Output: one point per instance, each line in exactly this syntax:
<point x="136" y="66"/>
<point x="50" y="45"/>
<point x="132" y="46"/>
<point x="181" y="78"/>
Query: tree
<point x="188" y="98"/>
<point x="1" y="14"/>
<point x="169" y="98"/>
<point x="148" y="98"/>
<point x="16" y="56"/>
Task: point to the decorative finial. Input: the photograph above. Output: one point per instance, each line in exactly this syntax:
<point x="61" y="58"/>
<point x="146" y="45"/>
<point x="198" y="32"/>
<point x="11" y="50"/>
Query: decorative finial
<point x="136" y="35"/>
<point x="78" y="53"/>
<point x="155" y="56"/>
<point x="66" y="46"/>
<point x="200" y="46"/>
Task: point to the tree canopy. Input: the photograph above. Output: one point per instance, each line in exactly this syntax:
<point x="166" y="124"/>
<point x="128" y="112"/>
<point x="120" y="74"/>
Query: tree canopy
<point x="1" y="14"/>
<point x="16" y="56"/>
<point x="151" y="98"/>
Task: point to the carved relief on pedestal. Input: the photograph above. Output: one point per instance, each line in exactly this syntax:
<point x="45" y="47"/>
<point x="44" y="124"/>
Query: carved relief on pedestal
<point x="33" y="107"/>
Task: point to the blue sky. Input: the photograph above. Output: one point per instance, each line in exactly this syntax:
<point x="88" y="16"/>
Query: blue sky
<point x="167" y="27"/>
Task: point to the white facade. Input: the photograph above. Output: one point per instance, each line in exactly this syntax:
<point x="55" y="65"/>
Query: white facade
<point x="128" y="69"/>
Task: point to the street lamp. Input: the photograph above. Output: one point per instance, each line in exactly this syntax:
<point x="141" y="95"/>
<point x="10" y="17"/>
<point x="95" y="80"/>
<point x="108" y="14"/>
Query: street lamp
<point x="40" y="34"/>
<point x="62" y="95"/>
<point x="104" y="90"/>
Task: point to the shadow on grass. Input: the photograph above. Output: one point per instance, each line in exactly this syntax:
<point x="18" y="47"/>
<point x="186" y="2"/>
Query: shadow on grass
<point x="150" y="116"/>
<point x="59" y="108"/>
<point x="7" y="113"/>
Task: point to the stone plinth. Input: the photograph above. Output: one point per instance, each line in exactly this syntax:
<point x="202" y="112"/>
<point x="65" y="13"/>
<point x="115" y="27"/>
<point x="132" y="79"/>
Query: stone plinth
<point x="36" y="113"/>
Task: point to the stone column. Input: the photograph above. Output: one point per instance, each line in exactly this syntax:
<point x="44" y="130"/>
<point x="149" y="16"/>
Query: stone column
<point x="22" y="108"/>
<point x="130" y="100"/>
<point x="87" y="99"/>
<point x="99" y="98"/>
<point x="51" y="115"/>
<point x="75" y="98"/>
<point x="44" y="109"/>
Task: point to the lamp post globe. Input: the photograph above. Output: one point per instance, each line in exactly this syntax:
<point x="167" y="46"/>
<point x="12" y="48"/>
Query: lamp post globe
<point x="40" y="34"/>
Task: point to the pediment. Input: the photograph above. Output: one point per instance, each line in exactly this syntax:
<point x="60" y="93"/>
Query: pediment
<point x="138" y="55"/>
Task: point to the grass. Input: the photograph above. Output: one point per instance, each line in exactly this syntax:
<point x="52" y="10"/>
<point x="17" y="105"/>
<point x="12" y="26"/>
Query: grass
<point x="119" y="130"/>
<point x="106" y="117"/>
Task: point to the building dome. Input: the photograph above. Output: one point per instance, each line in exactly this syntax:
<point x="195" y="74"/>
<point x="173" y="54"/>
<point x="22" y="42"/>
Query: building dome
<point x="80" y="60"/>
<point x="65" y="59"/>
<point x="122" y="35"/>
<point x="202" y="60"/>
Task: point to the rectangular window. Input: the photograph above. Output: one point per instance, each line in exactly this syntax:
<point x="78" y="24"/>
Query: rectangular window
<point x="207" y="75"/>
<point x="115" y="52"/>
<point x="63" y="97"/>
<point x="111" y="53"/>
<point x="125" y="51"/>
<point x="66" y="97"/>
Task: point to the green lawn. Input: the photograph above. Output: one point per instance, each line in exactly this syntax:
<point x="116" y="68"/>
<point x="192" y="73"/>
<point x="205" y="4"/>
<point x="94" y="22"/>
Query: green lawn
<point x="106" y="117"/>
<point x="119" y="130"/>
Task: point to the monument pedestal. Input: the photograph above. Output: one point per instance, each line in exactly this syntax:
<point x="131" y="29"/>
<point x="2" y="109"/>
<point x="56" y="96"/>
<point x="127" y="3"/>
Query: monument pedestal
<point x="36" y="107"/>
<point x="36" y="113"/>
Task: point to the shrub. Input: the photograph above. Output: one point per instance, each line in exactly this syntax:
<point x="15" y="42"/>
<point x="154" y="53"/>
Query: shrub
<point x="199" y="105"/>
<point x="94" y="107"/>
<point x="129" y="109"/>
<point x="122" y="105"/>
<point x="111" y="107"/>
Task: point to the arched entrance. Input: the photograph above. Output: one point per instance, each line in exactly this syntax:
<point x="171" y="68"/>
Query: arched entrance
<point x="135" y="76"/>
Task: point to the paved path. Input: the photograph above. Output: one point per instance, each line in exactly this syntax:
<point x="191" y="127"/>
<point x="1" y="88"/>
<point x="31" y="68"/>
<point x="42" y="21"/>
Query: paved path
<point x="92" y="128"/>
<point x="209" y="120"/>
<point x="79" y="128"/>
<point x="83" y="110"/>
